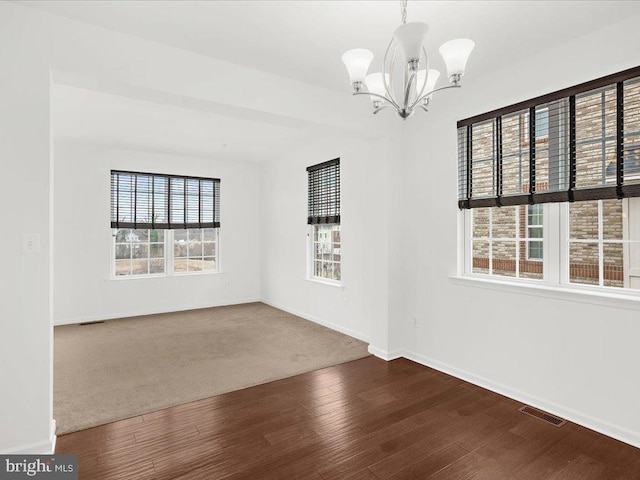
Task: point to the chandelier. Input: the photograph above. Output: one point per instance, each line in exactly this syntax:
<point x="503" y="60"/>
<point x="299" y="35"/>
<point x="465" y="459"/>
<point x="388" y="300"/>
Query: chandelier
<point x="418" y="85"/>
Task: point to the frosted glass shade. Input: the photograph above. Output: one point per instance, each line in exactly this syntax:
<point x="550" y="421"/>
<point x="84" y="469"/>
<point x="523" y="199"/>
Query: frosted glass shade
<point x="375" y="85"/>
<point x="455" y="54"/>
<point x="410" y="38"/>
<point x="432" y="78"/>
<point x="357" y="62"/>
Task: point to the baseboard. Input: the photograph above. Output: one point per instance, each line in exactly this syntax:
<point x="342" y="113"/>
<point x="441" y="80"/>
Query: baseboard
<point x="383" y="354"/>
<point x="608" y="429"/>
<point x="52" y="435"/>
<point x="150" y="311"/>
<point x="324" y="323"/>
<point x="45" y="447"/>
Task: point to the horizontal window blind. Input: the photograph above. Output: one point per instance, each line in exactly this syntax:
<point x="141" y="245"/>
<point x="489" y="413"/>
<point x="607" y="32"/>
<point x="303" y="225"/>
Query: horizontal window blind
<point x="580" y="143"/>
<point x="150" y="200"/>
<point x="324" y="192"/>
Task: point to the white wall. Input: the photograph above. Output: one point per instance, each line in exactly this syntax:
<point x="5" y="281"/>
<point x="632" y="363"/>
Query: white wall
<point x="25" y="323"/>
<point x="569" y="357"/>
<point x="84" y="290"/>
<point x="398" y="255"/>
<point x="359" y="306"/>
<point x="32" y="45"/>
<point x="572" y="358"/>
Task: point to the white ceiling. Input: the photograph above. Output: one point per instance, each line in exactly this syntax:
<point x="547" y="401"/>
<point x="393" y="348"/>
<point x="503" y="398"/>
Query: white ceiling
<point x="88" y="116"/>
<point x="304" y="40"/>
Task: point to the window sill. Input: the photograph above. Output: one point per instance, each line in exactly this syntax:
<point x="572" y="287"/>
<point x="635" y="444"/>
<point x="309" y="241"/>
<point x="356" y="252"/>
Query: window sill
<point x="324" y="282"/>
<point x="194" y="274"/>
<point x="150" y="277"/>
<point x="629" y="301"/>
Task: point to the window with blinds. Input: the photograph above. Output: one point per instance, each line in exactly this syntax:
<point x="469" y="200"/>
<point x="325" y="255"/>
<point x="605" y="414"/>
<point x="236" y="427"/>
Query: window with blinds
<point x="577" y="144"/>
<point x="156" y="201"/>
<point x="324" y="193"/>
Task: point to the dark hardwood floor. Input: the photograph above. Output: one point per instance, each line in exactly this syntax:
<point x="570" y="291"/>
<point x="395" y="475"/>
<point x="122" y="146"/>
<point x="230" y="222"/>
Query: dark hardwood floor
<point x="366" y="419"/>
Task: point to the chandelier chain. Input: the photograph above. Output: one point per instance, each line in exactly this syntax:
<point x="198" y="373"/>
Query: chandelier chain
<point x="404" y="10"/>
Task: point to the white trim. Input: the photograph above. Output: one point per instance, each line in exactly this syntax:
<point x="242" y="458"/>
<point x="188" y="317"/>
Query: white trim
<point x="461" y="239"/>
<point x="552" y="252"/>
<point x="311" y="258"/>
<point x="45" y="447"/>
<point x="324" y="323"/>
<point x="615" y="431"/>
<point x="194" y="273"/>
<point x="151" y="311"/>
<point x="52" y="435"/>
<point x="120" y="278"/>
<point x="169" y="259"/>
<point x="324" y="281"/>
<point x="383" y="354"/>
<point x="592" y="296"/>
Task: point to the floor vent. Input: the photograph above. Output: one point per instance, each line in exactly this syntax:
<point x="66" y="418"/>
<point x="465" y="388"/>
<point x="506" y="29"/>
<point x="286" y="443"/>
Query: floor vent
<point x="534" y="412"/>
<point x="90" y="323"/>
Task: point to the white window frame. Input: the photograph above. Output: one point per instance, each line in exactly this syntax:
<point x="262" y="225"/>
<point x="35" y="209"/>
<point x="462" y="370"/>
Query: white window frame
<point x="534" y="239"/>
<point x="130" y="276"/>
<point x="168" y="258"/>
<point x="601" y="242"/>
<point x="311" y="257"/>
<point x="468" y="246"/>
<point x="556" y="244"/>
<point x="196" y="272"/>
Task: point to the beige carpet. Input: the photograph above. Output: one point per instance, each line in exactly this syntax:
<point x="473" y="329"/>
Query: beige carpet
<point x="121" y="368"/>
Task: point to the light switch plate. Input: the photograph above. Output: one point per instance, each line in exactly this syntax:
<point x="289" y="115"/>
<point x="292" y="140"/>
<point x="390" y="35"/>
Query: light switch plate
<point x="30" y="243"/>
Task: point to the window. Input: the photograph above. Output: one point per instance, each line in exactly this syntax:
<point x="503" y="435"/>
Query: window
<point x="139" y="252"/>
<point x="195" y="250"/>
<point x="326" y="251"/>
<point x="323" y="218"/>
<point x="604" y="243"/>
<point x="542" y="125"/>
<point x="563" y="171"/>
<point x="500" y="244"/>
<point x="164" y="224"/>
<point x="534" y="232"/>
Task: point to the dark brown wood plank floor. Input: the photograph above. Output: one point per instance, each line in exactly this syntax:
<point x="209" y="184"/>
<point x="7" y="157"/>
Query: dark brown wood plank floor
<point x="363" y="420"/>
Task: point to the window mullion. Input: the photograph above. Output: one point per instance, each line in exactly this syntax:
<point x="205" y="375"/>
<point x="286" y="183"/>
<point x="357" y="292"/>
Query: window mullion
<point x="148" y="252"/>
<point x="218" y="264"/>
<point x="518" y="238"/>
<point x="554" y="244"/>
<point x="168" y="252"/>
<point x="490" y="241"/>
<point x="600" y="244"/>
<point x="113" y="253"/>
<point x="468" y="240"/>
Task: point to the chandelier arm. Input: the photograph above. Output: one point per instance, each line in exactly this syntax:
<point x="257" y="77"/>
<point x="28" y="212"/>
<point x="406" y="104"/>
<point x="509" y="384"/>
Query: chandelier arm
<point x="373" y="95"/>
<point x="433" y="91"/>
<point x="380" y="108"/>
<point x="407" y="91"/>
<point x="424" y="108"/>
<point x="426" y="76"/>
<point x="387" y="86"/>
<point x="393" y="67"/>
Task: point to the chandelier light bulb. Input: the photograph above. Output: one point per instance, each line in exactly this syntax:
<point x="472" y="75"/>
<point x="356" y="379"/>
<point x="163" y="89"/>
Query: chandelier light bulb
<point x="432" y="79"/>
<point x="375" y="85"/>
<point x="357" y="62"/>
<point x="410" y="38"/>
<point x="455" y="54"/>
